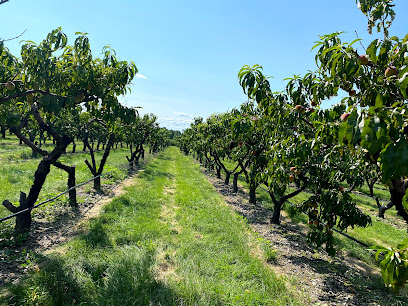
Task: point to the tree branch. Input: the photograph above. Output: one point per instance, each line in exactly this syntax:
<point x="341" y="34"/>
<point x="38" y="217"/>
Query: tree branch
<point x="1" y="2"/>
<point x="29" y="143"/>
<point x="43" y="125"/>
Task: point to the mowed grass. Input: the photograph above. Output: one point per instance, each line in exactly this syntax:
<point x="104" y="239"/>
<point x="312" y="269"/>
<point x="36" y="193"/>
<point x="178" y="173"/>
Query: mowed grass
<point x="17" y="175"/>
<point x="169" y="240"/>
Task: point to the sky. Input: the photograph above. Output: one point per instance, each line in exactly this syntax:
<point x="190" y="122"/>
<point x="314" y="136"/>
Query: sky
<point x="189" y="52"/>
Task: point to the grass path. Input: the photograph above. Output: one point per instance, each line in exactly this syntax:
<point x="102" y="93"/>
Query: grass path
<point x="169" y="240"/>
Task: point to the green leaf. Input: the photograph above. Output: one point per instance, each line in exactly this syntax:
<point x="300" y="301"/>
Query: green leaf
<point x="374" y="135"/>
<point x="397" y="151"/>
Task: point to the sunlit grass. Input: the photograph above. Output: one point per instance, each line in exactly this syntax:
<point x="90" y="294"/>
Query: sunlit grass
<point x="170" y="240"/>
<point x="18" y="175"/>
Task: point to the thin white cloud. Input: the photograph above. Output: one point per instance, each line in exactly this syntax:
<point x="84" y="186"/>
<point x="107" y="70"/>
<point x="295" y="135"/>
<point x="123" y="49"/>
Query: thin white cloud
<point x="181" y="114"/>
<point x="140" y="76"/>
<point x="175" y="123"/>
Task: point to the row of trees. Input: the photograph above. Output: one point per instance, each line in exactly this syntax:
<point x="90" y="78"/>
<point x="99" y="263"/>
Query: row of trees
<point x="285" y="141"/>
<point x="60" y="91"/>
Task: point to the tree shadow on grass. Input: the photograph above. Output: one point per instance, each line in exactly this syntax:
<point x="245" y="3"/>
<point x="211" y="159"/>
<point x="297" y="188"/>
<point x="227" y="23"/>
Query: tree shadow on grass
<point x="126" y="278"/>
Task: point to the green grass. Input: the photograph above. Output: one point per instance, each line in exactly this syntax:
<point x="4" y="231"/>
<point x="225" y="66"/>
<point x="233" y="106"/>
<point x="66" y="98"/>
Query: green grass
<point x="18" y="176"/>
<point x="170" y="240"/>
<point x="382" y="232"/>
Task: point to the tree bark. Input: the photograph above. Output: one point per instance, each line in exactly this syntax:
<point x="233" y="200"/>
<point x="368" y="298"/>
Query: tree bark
<point x="218" y="172"/>
<point x="235" y="182"/>
<point x="227" y="177"/>
<point x="276" y="213"/>
<point x="252" y="194"/>
<point x="397" y="191"/>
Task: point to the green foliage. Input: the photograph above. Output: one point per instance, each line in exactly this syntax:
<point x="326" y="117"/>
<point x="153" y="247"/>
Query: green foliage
<point x="394" y="265"/>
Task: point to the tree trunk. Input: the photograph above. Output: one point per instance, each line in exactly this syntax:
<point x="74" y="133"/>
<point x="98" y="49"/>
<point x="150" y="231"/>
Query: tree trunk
<point x="397" y="191"/>
<point x="218" y="172"/>
<point x="382" y="209"/>
<point x="24" y="220"/>
<point x="235" y="182"/>
<point x="97" y="184"/>
<point x="73" y="147"/>
<point x="276" y="213"/>
<point x="227" y="177"/>
<point x="92" y="168"/>
<point x="71" y="183"/>
<point x="370" y="187"/>
<point x="252" y="194"/>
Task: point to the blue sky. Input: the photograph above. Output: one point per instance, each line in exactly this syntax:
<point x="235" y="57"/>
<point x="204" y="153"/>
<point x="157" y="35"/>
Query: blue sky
<point x="189" y="52"/>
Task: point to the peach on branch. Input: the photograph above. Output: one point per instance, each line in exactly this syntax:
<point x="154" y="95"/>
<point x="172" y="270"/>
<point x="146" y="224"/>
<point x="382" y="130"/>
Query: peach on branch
<point x="344" y="116"/>
<point x="390" y="71"/>
<point x="364" y="59"/>
<point x="10" y="85"/>
<point x="300" y="108"/>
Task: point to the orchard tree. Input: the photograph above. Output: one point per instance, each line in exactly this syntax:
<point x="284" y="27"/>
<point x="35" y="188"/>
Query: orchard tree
<point x="49" y="78"/>
<point x="370" y="125"/>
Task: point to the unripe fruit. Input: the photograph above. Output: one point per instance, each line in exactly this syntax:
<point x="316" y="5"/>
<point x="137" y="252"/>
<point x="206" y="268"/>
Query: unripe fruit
<point x="10" y="85"/>
<point x="390" y="71"/>
<point x="30" y="97"/>
<point x="79" y="98"/>
<point x="364" y="59"/>
<point x="344" y="116"/>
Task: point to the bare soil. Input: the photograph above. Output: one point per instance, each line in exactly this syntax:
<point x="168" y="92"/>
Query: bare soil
<point x="339" y="280"/>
